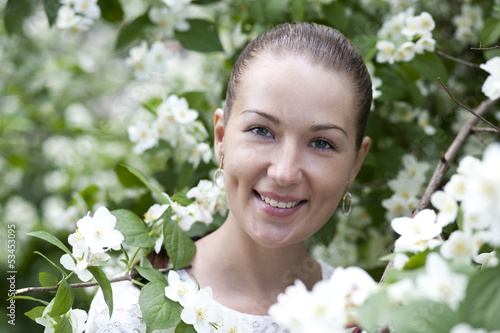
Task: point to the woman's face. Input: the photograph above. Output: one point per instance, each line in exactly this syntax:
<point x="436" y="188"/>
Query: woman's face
<point x="289" y="149"/>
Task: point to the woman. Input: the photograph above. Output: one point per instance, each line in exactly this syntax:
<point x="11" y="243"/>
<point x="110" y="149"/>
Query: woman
<point x="290" y="141"/>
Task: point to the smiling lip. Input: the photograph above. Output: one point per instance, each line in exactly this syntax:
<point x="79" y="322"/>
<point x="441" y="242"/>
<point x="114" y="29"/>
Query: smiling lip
<point x="278" y="206"/>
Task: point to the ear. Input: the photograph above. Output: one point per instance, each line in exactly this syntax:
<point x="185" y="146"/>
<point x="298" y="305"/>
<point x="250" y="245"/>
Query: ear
<point x="360" y="157"/>
<point x="219" y="131"/>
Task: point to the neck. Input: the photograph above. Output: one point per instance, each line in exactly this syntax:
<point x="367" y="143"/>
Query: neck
<point x="245" y="275"/>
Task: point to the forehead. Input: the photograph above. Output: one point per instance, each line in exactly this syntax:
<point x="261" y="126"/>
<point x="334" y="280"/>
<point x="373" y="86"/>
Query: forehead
<point x="294" y="87"/>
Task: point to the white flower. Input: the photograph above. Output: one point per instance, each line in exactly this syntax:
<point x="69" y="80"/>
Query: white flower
<point x="414" y="169"/>
<point x="157" y="57"/>
<point x="67" y="18"/>
<point x="405" y="187"/>
<point x="422" y="24"/>
<point x="418" y="233"/>
<point x="491" y="86"/>
<point x="154" y="212"/>
<point x="77" y="319"/>
<point x="201" y="151"/>
<point x="487" y="259"/>
<point x="448" y="207"/>
<point x="423" y="121"/>
<point x="48" y="322"/>
<point x="231" y="324"/>
<point x="180" y="109"/>
<point x="138" y="61"/>
<point x="403" y="291"/>
<point x="466" y="328"/>
<point x="177" y="5"/>
<point x="143" y="135"/>
<point x="81" y="265"/>
<point x="202" y="311"/>
<point x="468" y="165"/>
<point x="459" y="247"/>
<point x="439" y="283"/>
<point x="400" y="260"/>
<point x="180" y="291"/>
<point x="398" y="206"/>
<point x="88" y="8"/>
<point x="425" y="43"/>
<point x="492" y="66"/>
<point x="456" y="187"/>
<point x="99" y="231"/>
<point x="385" y="51"/>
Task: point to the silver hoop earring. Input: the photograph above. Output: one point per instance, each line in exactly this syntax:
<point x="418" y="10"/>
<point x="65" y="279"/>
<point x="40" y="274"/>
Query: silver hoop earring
<point x="219" y="171"/>
<point x="349" y="198"/>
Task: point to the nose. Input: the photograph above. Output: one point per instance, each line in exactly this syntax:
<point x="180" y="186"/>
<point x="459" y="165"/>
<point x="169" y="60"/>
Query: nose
<point x="286" y="164"/>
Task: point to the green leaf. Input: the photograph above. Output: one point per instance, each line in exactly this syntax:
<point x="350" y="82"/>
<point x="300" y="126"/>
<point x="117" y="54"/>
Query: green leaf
<point x="430" y="66"/>
<point x="417" y="260"/>
<point x="51" y="262"/>
<point x="201" y="37"/>
<point x="298" y="10"/>
<point x="181" y="198"/>
<point x="51" y="239"/>
<point x="490" y="34"/>
<point x="374" y="312"/>
<point x="127" y="178"/>
<point x="36" y="312"/>
<point x="204" y="2"/>
<point x="63" y="326"/>
<point x="335" y="15"/>
<point x="111" y="10"/>
<point x="47" y="279"/>
<point x="132" y="31"/>
<point x="387" y="257"/>
<point x="150" y="274"/>
<point x="182" y="327"/>
<point x="481" y="306"/>
<point x="105" y="285"/>
<point x="180" y="248"/>
<point x="29" y="298"/>
<point x="51" y="8"/>
<point x="132" y="228"/>
<point x="14" y="14"/>
<point x="143" y="179"/>
<point x="423" y="316"/>
<point x="64" y="299"/>
<point x="158" y="311"/>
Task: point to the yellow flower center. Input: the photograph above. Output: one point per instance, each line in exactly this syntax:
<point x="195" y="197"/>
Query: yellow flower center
<point x="201" y="314"/>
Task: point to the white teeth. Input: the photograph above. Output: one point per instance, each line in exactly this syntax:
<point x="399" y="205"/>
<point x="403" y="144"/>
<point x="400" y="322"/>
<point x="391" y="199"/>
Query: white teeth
<point x="279" y="204"/>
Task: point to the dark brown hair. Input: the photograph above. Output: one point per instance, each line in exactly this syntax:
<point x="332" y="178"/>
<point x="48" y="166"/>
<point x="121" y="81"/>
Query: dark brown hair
<point x="319" y="44"/>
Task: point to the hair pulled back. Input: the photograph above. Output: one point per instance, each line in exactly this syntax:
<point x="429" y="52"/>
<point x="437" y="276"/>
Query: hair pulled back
<point x="319" y="44"/>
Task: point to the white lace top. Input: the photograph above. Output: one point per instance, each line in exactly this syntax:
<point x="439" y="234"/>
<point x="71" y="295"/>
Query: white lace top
<point x="127" y="317"/>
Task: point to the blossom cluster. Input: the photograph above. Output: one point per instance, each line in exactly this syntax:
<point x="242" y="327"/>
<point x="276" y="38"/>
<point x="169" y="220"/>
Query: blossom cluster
<point x="93" y="238"/>
<point x="404" y="35"/>
<point x="176" y="124"/>
<point x="209" y="200"/>
<point x="77" y="15"/>
<point x="147" y="61"/>
<point x="329" y="307"/>
<point x="407" y="186"/>
<point x="172" y="16"/>
<point x="199" y="308"/>
<point x="468" y="24"/>
<point x="491" y="86"/>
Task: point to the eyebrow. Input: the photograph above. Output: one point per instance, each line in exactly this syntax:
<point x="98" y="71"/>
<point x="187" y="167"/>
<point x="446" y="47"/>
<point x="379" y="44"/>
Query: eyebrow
<point x="314" y="128"/>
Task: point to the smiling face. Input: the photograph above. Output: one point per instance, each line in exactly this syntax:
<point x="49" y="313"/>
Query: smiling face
<point x="289" y="149"/>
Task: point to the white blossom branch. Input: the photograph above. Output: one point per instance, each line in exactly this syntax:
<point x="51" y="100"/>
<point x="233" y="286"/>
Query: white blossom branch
<point x="126" y="277"/>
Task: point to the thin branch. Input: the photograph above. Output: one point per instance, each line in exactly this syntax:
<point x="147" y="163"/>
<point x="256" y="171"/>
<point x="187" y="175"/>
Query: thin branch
<point x="126" y="277"/>
<point x="461" y="61"/>
<point x="483" y="129"/>
<point x="467" y="108"/>
<point x="481" y="48"/>
<point x="446" y="160"/>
